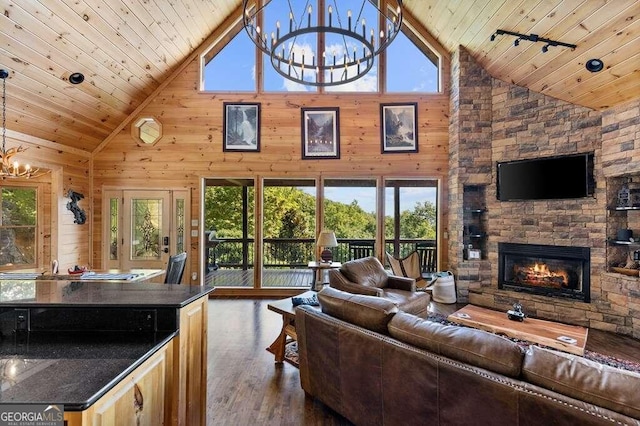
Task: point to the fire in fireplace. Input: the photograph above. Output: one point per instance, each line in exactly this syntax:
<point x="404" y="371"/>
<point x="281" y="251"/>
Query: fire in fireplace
<point x="555" y="271"/>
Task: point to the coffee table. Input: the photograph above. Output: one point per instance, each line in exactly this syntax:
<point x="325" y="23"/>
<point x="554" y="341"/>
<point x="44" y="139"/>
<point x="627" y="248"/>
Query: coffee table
<point x="531" y="329"/>
<point x="287" y="334"/>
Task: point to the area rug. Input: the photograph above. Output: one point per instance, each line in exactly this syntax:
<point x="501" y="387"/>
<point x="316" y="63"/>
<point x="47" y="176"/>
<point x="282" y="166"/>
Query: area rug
<point x="291" y="350"/>
<point x="291" y="353"/>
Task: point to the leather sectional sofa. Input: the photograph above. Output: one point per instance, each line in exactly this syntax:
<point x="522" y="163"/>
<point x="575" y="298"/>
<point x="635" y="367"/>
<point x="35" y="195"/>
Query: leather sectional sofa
<point x="377" y="365"/>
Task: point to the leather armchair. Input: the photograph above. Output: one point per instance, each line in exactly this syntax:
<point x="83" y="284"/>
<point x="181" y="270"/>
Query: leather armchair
<point x="367" y="276"/>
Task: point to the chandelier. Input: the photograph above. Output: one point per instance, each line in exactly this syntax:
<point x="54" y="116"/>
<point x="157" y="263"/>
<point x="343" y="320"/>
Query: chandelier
<point x="343" y="44"/>
<point x="11" y="168"/>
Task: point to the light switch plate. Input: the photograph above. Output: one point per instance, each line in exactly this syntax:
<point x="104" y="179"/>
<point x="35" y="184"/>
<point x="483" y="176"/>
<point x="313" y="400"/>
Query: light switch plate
<point x="194" y="232"/>
<point x="194" y="222"/>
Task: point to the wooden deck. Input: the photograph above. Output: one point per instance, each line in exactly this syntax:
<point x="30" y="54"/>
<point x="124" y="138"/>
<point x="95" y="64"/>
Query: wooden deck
<point x="271" y="278"/>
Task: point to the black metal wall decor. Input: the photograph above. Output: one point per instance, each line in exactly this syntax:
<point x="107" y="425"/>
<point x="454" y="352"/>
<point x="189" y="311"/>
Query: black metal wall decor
<point x="534" y="38"/>
<point x="80" y="217"/>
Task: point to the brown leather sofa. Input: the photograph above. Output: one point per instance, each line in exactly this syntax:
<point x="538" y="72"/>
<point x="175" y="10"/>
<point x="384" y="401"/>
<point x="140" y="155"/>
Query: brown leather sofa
<point x="377" y="365"/>
<point x="367" y="276"/>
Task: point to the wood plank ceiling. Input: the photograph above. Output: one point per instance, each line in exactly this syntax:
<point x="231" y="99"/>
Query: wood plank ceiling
<point x="126" y="48"/>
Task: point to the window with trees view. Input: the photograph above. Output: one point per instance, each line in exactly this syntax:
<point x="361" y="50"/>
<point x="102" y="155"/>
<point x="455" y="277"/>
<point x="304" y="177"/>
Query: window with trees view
<point x="18" y="227"/>
<point x="289" y="217"/>
<point x="289" y="224"/>
<point x="410" y="214"/>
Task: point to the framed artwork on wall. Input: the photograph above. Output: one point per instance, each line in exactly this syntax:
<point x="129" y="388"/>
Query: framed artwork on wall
<point x="320" y="133"/>
<point x="241" y="127"/>
<point x="398" y="127"/>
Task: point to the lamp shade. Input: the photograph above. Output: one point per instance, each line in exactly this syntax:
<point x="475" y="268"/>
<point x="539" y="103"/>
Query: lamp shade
<point x="327" y="239"/>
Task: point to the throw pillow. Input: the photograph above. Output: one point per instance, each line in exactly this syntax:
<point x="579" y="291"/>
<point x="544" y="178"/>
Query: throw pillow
<point x="408" y="267"/>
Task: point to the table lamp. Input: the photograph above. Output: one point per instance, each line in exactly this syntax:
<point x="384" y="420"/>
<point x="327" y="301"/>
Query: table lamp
<point x="327" y="239"/>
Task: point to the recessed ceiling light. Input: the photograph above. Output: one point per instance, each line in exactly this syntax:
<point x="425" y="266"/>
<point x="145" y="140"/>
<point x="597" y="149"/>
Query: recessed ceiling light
<point x="594" y="65"/>
<point x="76" y="78"/>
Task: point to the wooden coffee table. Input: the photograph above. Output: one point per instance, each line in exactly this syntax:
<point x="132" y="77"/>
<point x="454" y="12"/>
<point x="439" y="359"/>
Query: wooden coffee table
<point x="287" y="334"/>
<point x="531" y="329"/>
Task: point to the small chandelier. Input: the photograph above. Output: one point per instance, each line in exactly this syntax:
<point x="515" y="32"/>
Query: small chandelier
<point x="347" y="45"/>
<point x="11" y="168"/>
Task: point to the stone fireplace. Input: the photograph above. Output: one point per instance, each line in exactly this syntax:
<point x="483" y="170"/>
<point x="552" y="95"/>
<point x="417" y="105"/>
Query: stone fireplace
<point x="554" y="271"/>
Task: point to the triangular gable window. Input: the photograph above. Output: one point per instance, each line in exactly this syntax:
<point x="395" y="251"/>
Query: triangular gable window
<point x="233" y="68"/>
<point x="409" y="69"/>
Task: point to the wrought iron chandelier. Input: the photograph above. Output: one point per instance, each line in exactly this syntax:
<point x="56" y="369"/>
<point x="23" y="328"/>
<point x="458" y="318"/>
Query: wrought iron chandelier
<point x="11" y="168"/>
<point x="344" y="47"/>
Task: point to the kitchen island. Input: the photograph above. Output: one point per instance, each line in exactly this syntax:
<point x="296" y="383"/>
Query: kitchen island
<point x="110" y="353"/>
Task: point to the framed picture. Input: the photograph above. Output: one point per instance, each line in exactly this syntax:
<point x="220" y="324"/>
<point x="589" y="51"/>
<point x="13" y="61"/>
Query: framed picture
<point x="320" y="133"/>
<point x="398" y="127"/>
<point x="241" y="127"/>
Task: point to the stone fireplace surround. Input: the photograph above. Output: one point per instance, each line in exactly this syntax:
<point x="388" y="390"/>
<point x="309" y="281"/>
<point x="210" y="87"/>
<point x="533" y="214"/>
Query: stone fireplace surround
<point x="492" y="121"/>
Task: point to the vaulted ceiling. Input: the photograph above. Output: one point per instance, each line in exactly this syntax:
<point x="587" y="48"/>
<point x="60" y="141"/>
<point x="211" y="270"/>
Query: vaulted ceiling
<point x="127" y="48"/>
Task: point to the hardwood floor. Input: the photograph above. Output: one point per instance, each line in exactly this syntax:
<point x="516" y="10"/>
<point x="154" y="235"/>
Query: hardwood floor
<point x="245" y="386"/>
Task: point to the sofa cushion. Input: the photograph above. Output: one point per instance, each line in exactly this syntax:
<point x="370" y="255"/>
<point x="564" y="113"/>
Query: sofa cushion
<point x="366" y="271"/>
<point x="370" y="312"/>
<point x="475" y="347"/>
<point x="416" y="302"/>
<point x="580" y="378"/>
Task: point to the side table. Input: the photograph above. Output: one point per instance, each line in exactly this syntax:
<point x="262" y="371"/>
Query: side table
<point x="318" y="269"/>
<point x="287" y="334"/>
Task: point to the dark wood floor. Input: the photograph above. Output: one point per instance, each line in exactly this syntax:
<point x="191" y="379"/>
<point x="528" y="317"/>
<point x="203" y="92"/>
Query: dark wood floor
<point x="245" y="386"/>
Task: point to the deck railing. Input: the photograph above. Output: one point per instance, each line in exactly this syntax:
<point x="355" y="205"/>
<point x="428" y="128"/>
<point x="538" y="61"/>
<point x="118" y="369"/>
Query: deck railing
<point x="295" y="253"/>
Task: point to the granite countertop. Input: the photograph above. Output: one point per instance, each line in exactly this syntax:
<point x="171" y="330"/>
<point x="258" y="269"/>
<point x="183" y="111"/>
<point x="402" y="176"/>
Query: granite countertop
<point x="35" y="293"/>
<point x="64" y="353"/>
<point x="71" y="368"/>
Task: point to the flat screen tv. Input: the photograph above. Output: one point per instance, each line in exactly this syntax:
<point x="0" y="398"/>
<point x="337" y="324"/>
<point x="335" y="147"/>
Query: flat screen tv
<point x="567" y="176"/>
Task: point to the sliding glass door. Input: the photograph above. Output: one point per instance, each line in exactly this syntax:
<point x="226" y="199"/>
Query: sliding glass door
<point x="350" y="211"/>
<point x="288" y="231"/>
<point x="229" y="224"/>
<point x="410" y="217"/>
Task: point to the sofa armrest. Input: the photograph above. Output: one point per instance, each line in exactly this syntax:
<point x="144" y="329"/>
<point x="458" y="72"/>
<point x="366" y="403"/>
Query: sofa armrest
<point x="339" y="281"/>
<point x="401" y="283"/>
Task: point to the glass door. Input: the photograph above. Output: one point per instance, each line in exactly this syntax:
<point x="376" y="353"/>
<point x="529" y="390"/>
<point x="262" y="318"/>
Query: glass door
<point x="143" y="228"/>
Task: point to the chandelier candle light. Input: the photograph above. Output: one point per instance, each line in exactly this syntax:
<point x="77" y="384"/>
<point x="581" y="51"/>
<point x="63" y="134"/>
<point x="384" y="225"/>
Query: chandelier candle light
<point x="346" y="48"/>
<point x="11" y="169"/>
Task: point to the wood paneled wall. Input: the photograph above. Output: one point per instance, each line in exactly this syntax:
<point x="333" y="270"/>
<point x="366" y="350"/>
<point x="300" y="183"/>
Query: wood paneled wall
<point x="191" y="146"/>
<point x="69" y="168"/>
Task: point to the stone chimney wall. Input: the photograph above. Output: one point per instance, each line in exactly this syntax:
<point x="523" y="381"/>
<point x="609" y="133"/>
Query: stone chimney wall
<point x="524" y="125"/>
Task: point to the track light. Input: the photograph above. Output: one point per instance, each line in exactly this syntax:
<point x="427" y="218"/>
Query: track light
<point x="533" y="38"/>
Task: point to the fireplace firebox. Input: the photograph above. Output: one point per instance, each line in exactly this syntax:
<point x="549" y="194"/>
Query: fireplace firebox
<point x="555" y="271"/>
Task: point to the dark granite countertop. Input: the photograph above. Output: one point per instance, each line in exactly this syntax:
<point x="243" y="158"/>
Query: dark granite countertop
<point x="35" y="293"/>
<point x="79" y="339"/>
<point x="71" y="368"/>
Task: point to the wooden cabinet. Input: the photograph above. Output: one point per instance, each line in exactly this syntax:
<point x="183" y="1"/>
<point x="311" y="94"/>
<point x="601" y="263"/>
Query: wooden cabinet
<point x="169" y="388"/>
<point x="141" y="398"/>
<point x="190" y="372"/>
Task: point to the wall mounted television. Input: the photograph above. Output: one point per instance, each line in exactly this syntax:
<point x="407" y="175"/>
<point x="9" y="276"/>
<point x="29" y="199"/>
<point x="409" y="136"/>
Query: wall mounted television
<point x="547" y="178"/>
